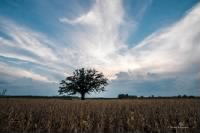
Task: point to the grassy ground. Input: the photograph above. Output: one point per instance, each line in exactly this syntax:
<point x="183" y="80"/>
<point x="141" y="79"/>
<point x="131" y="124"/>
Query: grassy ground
<point x="99" y="116"/>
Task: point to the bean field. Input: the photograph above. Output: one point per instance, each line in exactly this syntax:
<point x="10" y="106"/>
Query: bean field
<point x="99" y="116"/>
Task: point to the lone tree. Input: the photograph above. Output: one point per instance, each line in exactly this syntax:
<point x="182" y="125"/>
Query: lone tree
<point x="83" y="81"/>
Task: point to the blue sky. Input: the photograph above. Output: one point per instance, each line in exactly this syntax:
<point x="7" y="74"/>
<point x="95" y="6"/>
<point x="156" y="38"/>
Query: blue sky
<point x="144" y="47"/>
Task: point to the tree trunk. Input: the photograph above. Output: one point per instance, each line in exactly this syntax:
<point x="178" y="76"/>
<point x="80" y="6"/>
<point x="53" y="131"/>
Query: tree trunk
<point x="82" y="96"/>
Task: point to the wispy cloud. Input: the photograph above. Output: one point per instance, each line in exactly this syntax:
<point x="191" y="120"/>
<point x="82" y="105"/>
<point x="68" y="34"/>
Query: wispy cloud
<point x="21" y="73"/>
<point x="171" y="49"/>
<point x="25" y="39"/>
<point x="101" y="36"/>
<point x="26" y="45"/>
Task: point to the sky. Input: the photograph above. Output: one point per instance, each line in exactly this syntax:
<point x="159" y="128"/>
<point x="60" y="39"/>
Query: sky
<point x="144" y="47"/>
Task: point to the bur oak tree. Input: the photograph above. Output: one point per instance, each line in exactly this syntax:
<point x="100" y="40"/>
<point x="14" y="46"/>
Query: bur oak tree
<point x="83" y="81"/>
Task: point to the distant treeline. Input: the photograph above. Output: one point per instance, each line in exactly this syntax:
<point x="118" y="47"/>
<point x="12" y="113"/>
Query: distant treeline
<point x="42" y="97"/>
<point x="126" y="96"/>
<point x="120" y="96"/>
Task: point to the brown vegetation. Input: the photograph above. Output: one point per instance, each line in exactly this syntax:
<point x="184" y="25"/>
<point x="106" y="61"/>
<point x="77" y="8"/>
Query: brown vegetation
<point x="98" y="116"/>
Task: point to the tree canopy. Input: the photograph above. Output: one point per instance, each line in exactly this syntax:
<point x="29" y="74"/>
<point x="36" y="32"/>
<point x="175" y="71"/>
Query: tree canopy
<point x="83" y="81"/>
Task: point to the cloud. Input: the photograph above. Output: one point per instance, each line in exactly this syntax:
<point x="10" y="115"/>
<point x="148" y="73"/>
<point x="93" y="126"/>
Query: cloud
<point x="32" y="42"/>
<point x="169" y="50"/>
<point x="101" y="35"/>
<point x="17" y="72"/>
<point x="25" y="45"/>
<point x="111" y="17"/>
<point x="174" y="48"/>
